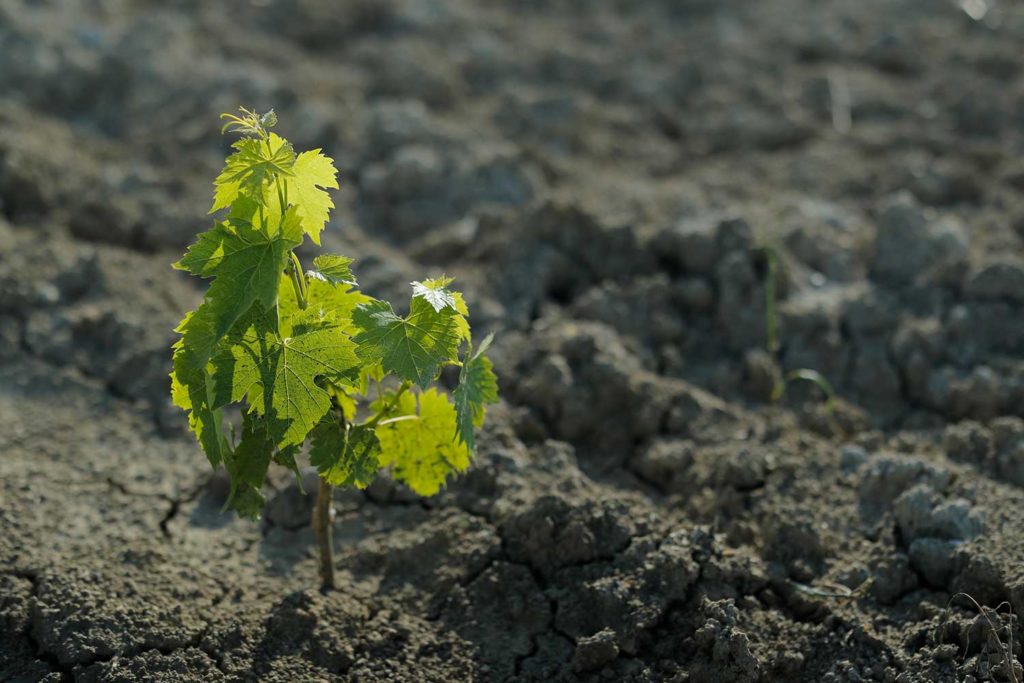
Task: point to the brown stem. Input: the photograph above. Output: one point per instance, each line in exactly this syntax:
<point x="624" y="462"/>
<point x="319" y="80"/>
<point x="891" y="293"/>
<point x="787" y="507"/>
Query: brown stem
<point x="324" y="536"/>
<point x="322" y="521"/>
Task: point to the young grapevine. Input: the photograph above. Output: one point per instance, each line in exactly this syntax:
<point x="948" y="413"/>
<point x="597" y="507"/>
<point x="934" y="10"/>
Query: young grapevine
<point x="309" y="356"/>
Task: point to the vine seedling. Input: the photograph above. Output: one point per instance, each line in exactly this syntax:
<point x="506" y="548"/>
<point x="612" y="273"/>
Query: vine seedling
<point x="308" y="356"/>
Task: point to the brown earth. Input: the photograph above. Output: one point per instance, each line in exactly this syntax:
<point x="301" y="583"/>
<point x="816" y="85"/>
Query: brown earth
<point x="605" y="180"/>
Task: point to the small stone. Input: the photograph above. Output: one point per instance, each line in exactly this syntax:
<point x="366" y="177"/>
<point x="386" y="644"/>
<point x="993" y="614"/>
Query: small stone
<point x="734" y="234"/>
<point x="913" y="244"/>
<point x="695" y="295"/>
<point x="893" y="579"/>
<point x="957" y="520"/>
<point x="934" y="559"/>
<point x="662" y="461"/>
<point x="851" y="457"/>
<point x="595" y="651"/>
<point x="913" y="511"/>
<point x="690" y="244"/>
<point x="1000" y="280"/>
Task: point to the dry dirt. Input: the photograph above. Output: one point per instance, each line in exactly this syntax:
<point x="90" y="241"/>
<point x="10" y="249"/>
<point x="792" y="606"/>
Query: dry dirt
<point x="605" y="180"/>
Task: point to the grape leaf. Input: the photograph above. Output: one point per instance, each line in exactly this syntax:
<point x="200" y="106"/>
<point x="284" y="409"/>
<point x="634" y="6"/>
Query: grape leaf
<point x="247" y="467"/>
<point x="421" y="452"/>
<point x="285" y="457"/>
<point x="369" y="371"/>
<point x="478" y="386"/>
<point x="334" y="303"/>
<point x="312" y="172"/>
<point x="435" y="292"/>
<point x="269" y="119"/>
<point x="246" y="501"/>
<point x="333" y="269"/>
<point x="345" y="459"/>
<point x="461" y="320"/>
<point x="246" y="266"/>
<point x="192" y="388"/>
<point x="346" y="404"/>
<point x="278" y="374"/>
<point x="438" y="294"/>
<point x="204" y="421"/>
<point x="253" y="162"/>
<point x="251" y="457"/>
<point x="190" y="359"/>
<point x="413" y="347"/>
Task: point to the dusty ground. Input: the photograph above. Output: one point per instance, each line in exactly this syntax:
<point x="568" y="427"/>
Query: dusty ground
<point x="603" y="179"/>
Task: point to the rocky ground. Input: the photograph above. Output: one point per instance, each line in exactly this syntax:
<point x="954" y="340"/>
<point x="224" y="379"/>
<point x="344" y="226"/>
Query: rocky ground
<point x="607" y="181"/>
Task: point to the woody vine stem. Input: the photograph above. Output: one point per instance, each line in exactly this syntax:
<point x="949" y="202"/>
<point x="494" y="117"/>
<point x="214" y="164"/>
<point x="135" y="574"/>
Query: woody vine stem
<point x="323" y="511"/>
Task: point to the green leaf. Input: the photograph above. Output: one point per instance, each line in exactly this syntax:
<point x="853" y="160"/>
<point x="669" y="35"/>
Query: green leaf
<point x="422" y="452"/>
<point x="369" y="371"/>
<point x="253" y="162"/>
<point x="251" y="458"/>
<point x="269" y="119"/>
<point x="478" y="386"/>
<point x="439" y="295"/>
<point x="435" y="292"/>
<point x="327" y="302"/>
<point x="345" y="403"/>
<point x="246" y="266"/>
<point x="286" y="458"/>
<point x="312" y="172"/>
<point x="278" y="374"/>
<point x="238" y="249"/>
<point x="246" y="501"/>
<point x="204" y="421"/>
<point x="190" y="360"/>
<point x="461" y="320"/>
<point x="247" y="467"/>
<point x="345" y="459"/>
<point x="333" y="269"/>
<point x="413" y="347"/>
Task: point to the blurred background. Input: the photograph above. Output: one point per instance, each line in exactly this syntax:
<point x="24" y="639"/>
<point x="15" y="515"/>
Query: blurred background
<point x="552" y="155"/>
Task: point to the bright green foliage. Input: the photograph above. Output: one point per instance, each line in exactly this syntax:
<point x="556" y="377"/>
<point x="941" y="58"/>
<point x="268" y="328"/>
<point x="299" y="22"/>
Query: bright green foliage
<point x="478" y="386"/>
<point x="349" y="458"/>
<point x="278" y="374"/>
<point x="439" y="296"/>
<point x="422" y="451"/>
<point x="436" y="293"/>
<point x="247" y="171"/>
<point x="246" y="266"/>
<point x="308" y="356"/>
<point x="203" y="420"/>
<point x="312" y="172"/>
<point x="413" y="347"/>
<point x="327" y="301"/>
<point x="247" y="463"/>
<point x="332" y="268"/>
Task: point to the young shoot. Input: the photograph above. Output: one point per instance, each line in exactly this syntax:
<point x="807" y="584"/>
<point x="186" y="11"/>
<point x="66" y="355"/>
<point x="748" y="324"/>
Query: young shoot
<point x="310" y="359"/>
<point x="772" y="337"/>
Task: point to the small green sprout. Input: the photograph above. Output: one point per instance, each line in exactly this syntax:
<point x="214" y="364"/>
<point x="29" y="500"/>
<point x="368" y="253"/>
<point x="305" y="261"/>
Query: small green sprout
<point x="772" y="336"/>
